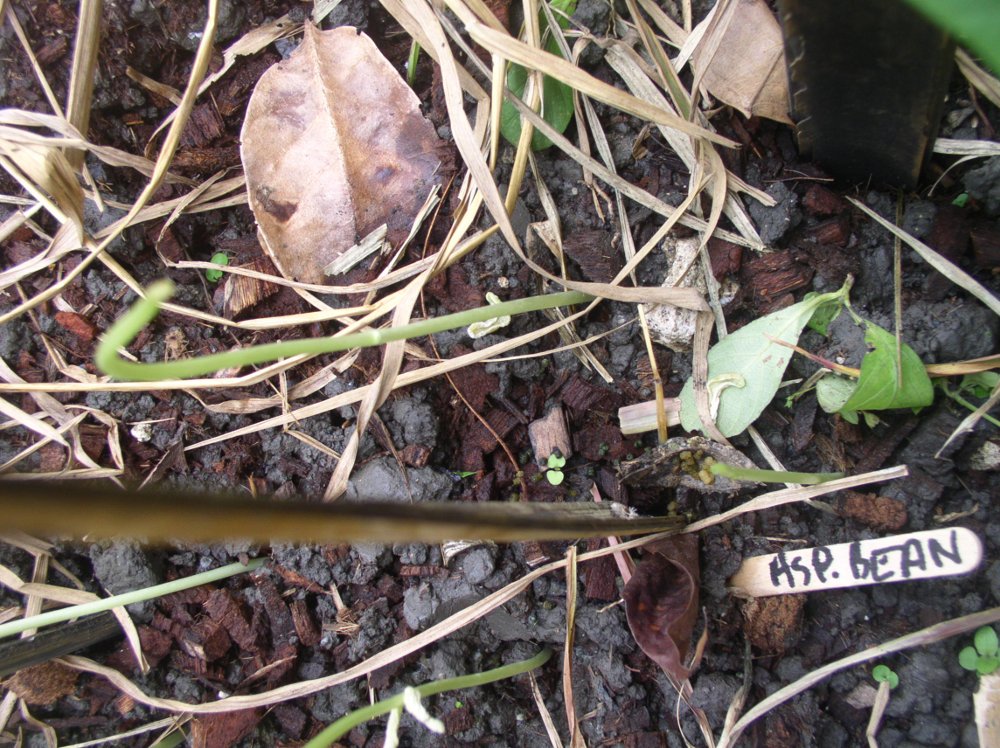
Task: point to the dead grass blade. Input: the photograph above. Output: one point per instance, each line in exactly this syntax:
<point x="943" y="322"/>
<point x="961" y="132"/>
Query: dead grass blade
<point x="975" y="148"/>
<point x="543" y="711"/>
<point x="32" y="423"/>
<point x="556" y="67"/>
<point x="575" y="736"/>
<point x="198" y="70"/>
<point x="944" y="266"/>
<point x="70" y="596"/>
<point x="969" y="422"/>
<point x="923" y="637"/>
<point x="789" y="495"/>
<point x="982" y="81"/>
<point x="81" y="82"/>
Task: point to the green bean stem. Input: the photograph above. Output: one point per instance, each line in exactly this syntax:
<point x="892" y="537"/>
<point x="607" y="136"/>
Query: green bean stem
<point x="127" y="598"/>
<point x="771" y="476"/>
<point x="349" y="721"/>
<point x="124" y="331"/>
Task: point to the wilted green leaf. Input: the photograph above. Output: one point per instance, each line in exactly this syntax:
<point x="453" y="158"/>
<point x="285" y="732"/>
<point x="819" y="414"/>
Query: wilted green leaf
<point x="757" y="355"/>
<point x="880" y="386"/>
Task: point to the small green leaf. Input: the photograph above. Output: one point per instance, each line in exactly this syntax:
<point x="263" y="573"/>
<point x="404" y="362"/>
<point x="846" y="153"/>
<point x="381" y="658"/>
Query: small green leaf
<point x="755" y="354"/>
<point x="555" y="477"/>
<point x="986" y="642"/>
<point x="968" y="658"/>
<point x="885" y="674"/>
<point x="987" y="665"/>
<point x="879" y="387"/>
<point x="961" y="200"/>
<point x="219" y="258"/>
<point x="556" y="461"/>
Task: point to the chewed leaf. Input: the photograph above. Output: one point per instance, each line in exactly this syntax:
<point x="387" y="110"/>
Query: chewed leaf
<point x="757" y="355"/>
<point x="661" y="603"/>
<point x="333" y="146"/>
<point x="880" y="386"/>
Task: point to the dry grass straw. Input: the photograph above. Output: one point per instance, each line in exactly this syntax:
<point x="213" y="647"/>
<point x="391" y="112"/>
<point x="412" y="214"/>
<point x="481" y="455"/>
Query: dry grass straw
<point x="456" y="621"/>
<point x="921" y="638"/>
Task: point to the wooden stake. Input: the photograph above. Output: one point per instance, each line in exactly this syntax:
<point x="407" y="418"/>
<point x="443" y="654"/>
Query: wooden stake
<point x="898" y="558"/>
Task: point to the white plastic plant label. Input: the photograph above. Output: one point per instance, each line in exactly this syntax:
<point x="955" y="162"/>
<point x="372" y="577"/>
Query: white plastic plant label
<point x="898" y="558"/>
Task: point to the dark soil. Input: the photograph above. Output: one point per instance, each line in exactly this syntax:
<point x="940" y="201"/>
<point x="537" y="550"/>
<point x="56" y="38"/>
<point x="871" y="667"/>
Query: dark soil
<point x="213" y="640"/>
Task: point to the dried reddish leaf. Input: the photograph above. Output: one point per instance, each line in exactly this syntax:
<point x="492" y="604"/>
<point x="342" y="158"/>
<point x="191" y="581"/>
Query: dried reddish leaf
<point x="334" y="145"/>
<point x="661" y="603"/>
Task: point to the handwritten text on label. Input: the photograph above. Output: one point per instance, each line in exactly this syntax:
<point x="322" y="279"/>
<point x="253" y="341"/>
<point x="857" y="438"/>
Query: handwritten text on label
<point x="918" y="555"/>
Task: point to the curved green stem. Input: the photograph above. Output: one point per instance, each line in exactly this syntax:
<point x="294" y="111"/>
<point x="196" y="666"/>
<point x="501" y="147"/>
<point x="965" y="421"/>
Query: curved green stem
<point x="771" y="476"/>
<point x="124" y="331"/>
<point x="127" y="598"/>
<point x="348" y="722"/>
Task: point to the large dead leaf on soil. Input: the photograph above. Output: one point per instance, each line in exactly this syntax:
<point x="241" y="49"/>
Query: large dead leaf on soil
<point x="661" y="602"/>
<point x="741" y="60"/>
<point x="334" y="145"/>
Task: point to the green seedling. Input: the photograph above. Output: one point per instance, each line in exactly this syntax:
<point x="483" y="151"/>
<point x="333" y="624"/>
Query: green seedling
<point x="411" y="63"/>
<point x="219" y="258"/>
<point x="961" y="200"/>
<point x="557" y="97"/>
<point x="125" y="329"/>
<point x="770" y="476"/>
<point x="554" y="466"/>
<point x="979" y="385"/>
<point x="984" y="656"/>
<point x="885" y="674"/>
<point x="410" y="700"/>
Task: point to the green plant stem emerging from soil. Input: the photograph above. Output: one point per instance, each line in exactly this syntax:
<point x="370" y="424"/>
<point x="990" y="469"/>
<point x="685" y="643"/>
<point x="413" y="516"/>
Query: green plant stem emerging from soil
<point x="125" y="329"/>
<point x="127" y="598"/>
<point x="346" y="723"/>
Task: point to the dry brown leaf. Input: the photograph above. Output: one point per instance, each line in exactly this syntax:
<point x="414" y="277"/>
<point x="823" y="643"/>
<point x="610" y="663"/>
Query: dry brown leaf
<point x="333" y="146"/>
<point x="741" y="60"/>
<point x="661" y="602"/>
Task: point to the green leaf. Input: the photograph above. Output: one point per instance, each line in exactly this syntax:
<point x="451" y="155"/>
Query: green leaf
<point x="555" y="477"/>
<point x="987" y="665"/>
<point x="980" y="384"/>
<point x="824" y="314"/>
<point x="961" y="200"/>
<point x="968" y="658"/>
<point x="879" y="386"/>
<point x="556" y="461"/>
<point x="985" y="640"/>
<point x="557" y="97"/>
<point x="974" y="23"/>
<point x="833" y="391"/>
<point x="219" y="258"/>
<point x="885" y="674"/>
<point x="754" y="354"/>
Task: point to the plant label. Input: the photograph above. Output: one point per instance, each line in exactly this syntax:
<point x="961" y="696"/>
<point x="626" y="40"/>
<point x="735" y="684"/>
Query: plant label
<point x="898" y="558"/>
